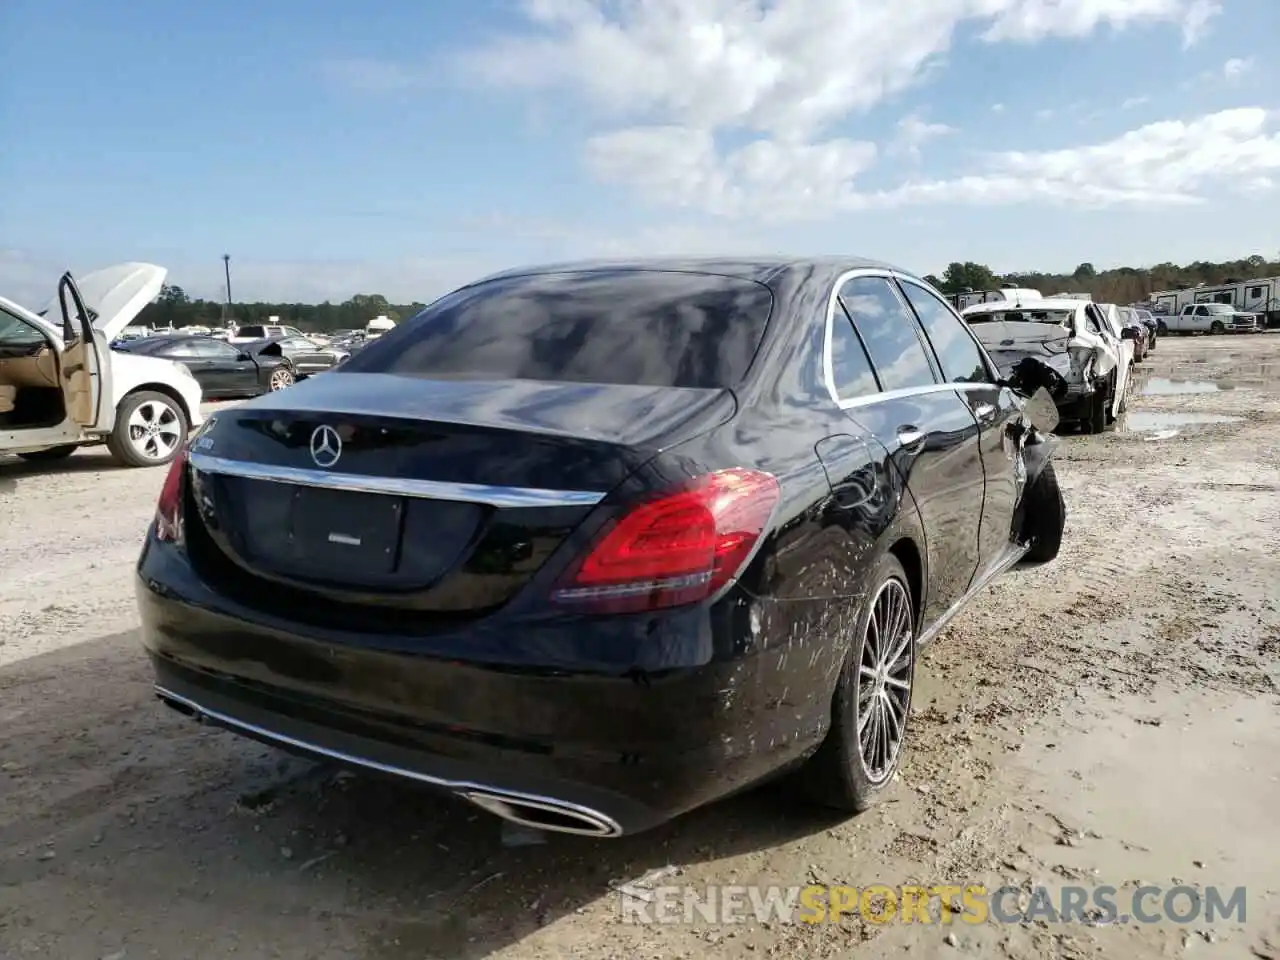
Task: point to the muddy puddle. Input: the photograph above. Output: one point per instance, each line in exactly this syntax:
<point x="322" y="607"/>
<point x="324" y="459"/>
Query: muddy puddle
<point x="1166" y="387"/>
<point x="1139" y="421"/>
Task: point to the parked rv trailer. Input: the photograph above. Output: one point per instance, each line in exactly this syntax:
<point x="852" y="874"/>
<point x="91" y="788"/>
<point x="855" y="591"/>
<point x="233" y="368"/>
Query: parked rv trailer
<point x="1261" y="296"/>
<point x="967" y="298"/>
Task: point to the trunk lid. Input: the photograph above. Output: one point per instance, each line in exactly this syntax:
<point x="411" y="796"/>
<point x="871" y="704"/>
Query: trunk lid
<point x="384" y="499"/>
<point x="1009" y="341"/>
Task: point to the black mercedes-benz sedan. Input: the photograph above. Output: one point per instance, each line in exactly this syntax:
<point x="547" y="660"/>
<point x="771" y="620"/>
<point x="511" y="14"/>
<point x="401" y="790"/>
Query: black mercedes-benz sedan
<point x="223" y="370"/>
<point x="593" y="544"/>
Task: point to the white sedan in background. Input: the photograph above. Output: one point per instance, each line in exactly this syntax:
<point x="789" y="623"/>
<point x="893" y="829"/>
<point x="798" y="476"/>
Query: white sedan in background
<point x="1073" y="339"/>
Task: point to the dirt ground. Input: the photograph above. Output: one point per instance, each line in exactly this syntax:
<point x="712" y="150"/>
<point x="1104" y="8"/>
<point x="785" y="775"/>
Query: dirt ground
<point x="1112" y="718"/>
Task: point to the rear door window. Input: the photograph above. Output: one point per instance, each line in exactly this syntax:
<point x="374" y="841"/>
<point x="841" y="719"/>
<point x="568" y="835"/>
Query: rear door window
<point x="183" y="348"/>
<point x="889" y="331"/>
<point x="640" y="327"/>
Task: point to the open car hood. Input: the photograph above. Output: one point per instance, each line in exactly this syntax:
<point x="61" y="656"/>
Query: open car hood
<point x="115" y="295"/>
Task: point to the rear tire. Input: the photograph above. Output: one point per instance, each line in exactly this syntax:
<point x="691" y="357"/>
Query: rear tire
<point x="1095" y="421"/>
<point x="51" y="453"/>
<point x="850" y="770"/>
<point x="150" y="430"/>
<point x="1046" y="516"/>
<point x="282" y="377"/>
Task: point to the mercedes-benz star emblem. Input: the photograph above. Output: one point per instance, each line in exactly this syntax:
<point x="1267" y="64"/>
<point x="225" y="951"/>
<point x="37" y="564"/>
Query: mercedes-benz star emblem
<point x="326" y="446"/>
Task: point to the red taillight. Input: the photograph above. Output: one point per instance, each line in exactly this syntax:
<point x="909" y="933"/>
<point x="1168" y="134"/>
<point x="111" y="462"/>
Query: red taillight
<point x="169" y="506"/>
<point x="679" y="548"/>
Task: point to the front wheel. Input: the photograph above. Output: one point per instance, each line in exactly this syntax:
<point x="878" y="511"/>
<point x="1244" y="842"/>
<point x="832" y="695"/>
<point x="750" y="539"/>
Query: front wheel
<point x="51" y="453"/>
<point x="872" y="700"/>
<point x="1217" y="328"/>
<point x="1046" y="517"/>
<point x="150" y="430"/>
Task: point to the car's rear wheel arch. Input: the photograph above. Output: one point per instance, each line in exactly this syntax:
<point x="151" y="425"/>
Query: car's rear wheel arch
<point x="908" y="554"/>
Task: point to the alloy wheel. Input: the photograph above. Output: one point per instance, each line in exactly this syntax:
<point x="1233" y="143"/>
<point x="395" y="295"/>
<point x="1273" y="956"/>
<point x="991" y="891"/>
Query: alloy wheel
<point x="155" y="429"/>
<point x="281" y="378"/>
<point x="884" y="680"/>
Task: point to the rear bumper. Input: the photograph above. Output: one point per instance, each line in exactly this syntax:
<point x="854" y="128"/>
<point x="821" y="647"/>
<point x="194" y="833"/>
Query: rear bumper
<point x="622" y="751"/>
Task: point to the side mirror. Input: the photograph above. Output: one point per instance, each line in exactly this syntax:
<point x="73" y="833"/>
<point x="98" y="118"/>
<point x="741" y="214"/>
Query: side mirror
<point x="1042" y="411"/>
<point x="242" y="356"/>
<point x="1128" y="333"/>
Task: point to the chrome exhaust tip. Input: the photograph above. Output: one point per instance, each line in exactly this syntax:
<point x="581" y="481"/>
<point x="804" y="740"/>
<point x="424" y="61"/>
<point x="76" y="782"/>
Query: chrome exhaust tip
<point x="552" y="816"/>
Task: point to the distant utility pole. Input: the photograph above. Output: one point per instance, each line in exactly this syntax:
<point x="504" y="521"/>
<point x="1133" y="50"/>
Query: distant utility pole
<point x="226" y="307"/>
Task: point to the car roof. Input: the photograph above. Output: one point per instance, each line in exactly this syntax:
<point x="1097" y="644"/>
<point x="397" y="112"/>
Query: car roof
<point x="160" y="338"/>
<point x="994" y="306"/>
<point x="760" y="268"/>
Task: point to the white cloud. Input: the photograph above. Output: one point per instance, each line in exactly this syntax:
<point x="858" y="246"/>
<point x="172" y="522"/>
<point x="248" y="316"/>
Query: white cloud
<point x="1259" y="186"/>
<point x="1167" y="162"/>
<point x="1133" y="102"/>
<point x="1032" y="20"/>
<point x="787" y="67"/>
<point x="997" y="108"/>
<point x="1196" y="19"/>
<point x="725" y="105"/>
<point x="1237" y="67"/>
<point x="684" y="167"/>
<point x="914" y="132"/>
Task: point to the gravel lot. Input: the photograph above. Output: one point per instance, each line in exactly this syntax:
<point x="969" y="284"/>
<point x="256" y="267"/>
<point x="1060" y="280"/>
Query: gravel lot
<point x="1113" y="717"/>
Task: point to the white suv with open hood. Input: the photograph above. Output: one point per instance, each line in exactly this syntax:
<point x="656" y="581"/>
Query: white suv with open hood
<point x="62" y="386"/>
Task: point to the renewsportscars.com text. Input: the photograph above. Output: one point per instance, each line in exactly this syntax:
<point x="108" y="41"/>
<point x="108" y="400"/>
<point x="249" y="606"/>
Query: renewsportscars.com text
<point x="972" y="904"/>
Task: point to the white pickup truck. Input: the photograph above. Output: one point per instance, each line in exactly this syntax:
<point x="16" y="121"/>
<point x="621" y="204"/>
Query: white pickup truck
<point x="1209" y="318"/>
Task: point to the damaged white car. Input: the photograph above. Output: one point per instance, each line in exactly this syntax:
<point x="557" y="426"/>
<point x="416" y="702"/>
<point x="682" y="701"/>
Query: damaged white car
<point x="1064" y="346"/>
<point x="62" y="386"/>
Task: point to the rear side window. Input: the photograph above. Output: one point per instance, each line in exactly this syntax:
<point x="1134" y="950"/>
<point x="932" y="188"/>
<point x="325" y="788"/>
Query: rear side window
<point x="186" y="348"/>
<point x="957" y="353"/>
<point x="851" y="372"/>
<point x="889" y="331"/>
<point x="641" y="327"/>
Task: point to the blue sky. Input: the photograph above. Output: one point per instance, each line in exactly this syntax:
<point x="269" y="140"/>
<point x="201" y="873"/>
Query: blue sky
<point x="333" y="148"/>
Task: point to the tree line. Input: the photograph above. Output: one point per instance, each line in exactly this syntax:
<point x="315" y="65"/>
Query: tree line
<point x="174" y="308"/>
<point x="1117" y="285"/>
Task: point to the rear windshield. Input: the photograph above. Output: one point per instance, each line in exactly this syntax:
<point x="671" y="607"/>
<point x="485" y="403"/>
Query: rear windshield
<point x="646" y="328"/>
<point x="1061" y="317"/>
<point x="256" y="332"/>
